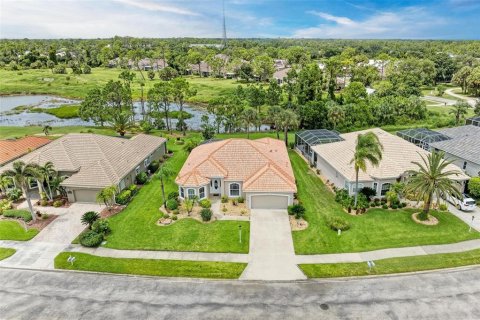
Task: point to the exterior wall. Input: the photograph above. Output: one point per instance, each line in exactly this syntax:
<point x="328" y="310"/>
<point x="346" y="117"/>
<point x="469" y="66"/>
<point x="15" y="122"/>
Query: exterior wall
<point x="330" y="173"/>
<point x="472" y="169"/>
<point x="248" y="196"/>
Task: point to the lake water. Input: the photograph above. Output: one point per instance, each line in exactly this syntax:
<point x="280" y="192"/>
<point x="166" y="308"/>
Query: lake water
<point x="25" y="118"/>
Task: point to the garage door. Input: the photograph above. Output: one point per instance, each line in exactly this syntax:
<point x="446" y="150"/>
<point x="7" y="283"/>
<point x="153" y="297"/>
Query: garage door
<point x="269" y="202"/>
<point x="88" y="196"/>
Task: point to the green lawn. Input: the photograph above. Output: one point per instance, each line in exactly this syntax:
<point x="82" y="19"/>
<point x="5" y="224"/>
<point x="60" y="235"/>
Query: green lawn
<point x="42" y="81"/>
<point x="6" y="252"/>
<point x="136" y="228"/>
<point x="393" y="265"/>
<point x="165" y="268"/>
<point x="377" y="229"/>
<point x="13" y="230"/>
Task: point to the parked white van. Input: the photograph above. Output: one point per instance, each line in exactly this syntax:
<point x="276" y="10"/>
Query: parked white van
<point x="465" y="202"/>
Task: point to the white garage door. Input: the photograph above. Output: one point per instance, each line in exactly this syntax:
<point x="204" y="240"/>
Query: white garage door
<point x="88" y="196"/>
<point x="269" y="202"/>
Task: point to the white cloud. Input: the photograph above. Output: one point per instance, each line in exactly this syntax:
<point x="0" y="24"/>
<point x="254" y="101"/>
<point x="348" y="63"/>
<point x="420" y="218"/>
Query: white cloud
<point x="411" y="22"/>
<point x="155" y="6"/>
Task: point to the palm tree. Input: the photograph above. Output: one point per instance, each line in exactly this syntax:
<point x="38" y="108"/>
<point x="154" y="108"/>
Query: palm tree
<point x="21" y="174"/>
<point x="369" y="149"/>
<point x="431" y="179"/>
<point x="272" y="116"/>
<point x="335" y="114"/>
<point x="121" y="121"/>
<point x="460" y="110"/>
<point x="287" y="119"/>
<point x="249" y="117"/>
<point x="107" y="196"/>
<point x="46" y="129"/>
<point x="46" y="172"/>
<point x="88" y="218"/>
<point x="163" y="173"/>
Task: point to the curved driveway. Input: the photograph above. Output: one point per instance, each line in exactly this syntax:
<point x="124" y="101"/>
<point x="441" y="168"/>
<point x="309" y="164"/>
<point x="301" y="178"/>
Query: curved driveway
<point x="448" y="294"/>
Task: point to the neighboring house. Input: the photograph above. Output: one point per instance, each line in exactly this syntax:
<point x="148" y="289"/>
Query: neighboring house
<point x="205" y="69"/>
<point x="281" y="75"/>
<point x="333" y="159"/>
<point x="258" y="170"/>
<point x="91" y="162"/>
<point x="463" y="147"/>
<point x="474" y="121"/>
<point x="460" y="144"/>
<point x="14" y="149"/>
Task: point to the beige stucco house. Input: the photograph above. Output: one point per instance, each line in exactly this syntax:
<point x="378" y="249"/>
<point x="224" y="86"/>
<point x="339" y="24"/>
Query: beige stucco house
<point x="257" y="170"/>
<point x="91" y="162"/>
<point x="333" y="159"/>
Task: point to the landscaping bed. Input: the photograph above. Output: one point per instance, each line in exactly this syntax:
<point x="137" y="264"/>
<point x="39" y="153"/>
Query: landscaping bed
<point x="165" y="268"/>
<point x="376" y="229"/>
<point x="393" y="265"/>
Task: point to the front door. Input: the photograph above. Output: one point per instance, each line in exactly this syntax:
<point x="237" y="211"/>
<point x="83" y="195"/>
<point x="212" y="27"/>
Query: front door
<point x="215" y="186"/>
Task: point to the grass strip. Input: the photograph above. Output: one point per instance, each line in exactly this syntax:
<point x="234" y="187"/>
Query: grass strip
<point x="6" y="252"/>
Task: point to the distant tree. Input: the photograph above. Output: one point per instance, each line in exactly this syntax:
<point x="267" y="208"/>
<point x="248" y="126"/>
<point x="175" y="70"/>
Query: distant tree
<point x="249" y="118"/>
<point x="181" y="91"/>
<point x="273" y="116"/>
<point x="309" y="84"/>
<point x="167" y="73"/>
<point x="94" y="107"/>
<point x="159" y="99"/>
<point x="46" y="129"/>
<point x="336" y="114"/>
<point x="444" y="67"/>
<point x="460" y="78"/>
<point x="354" y="92"/>
<point x="245" y="72"/>
<point x="473" y="82"/>
<point x="273" y="94"/>
<point x="194" y="57"/>
<point x="263" y="67"/>
<point x="460" y="110"/>
<point x="208" y="130"/>
<point x="151" y="74"/>
<point x="288" y="120"/>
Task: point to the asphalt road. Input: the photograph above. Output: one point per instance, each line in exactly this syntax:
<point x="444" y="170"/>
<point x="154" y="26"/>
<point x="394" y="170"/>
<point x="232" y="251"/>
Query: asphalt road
<point x="449" y="294"/>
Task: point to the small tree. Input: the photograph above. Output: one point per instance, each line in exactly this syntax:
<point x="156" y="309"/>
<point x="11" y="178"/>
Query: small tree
<point x="46" y="129"/>
<point x="88" y="218"/>
<point x="163" y="173"/>
<point x="107" y="196"/>
<point x="188" y="205"/>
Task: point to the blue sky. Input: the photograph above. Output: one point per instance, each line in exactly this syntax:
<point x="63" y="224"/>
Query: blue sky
<point x="440" y="19"/>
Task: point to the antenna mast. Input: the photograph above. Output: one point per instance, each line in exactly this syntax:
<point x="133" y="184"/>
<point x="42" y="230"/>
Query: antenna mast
<point x="224" y="40"/>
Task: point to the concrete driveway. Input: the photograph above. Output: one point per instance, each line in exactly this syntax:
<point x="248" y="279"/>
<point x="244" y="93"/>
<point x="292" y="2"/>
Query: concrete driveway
<point x="40" y="252"/>
<point x="466" y="216"/>
<point x="272" y="256"/>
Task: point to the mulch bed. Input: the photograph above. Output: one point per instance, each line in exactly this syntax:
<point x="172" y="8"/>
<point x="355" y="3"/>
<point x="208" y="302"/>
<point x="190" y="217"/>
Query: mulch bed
<point x="431" y="221"/>
<point x="105" y="213"/>
<point x="297" y="224"/>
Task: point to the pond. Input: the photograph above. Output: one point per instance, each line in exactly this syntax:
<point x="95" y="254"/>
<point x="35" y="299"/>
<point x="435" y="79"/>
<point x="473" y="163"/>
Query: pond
<point x="12" y="113"/>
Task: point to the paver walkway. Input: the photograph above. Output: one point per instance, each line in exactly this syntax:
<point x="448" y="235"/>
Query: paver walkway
<point x="272" y="256"/>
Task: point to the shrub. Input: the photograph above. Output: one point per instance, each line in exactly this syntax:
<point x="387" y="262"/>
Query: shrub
<point x="474" y="186"/>
<point x="57" y="203"/>
<point x="224" y="209"/>
<point x="45" y="216"/>
<point x="340" y="195"/>
<point x="141" y="178"/>
<point x="205" y="203"/>
<point x="403" y="204"/>
<point x="384" y="206"/>
<point x="91" y="239"/>
<point x="133" y="189"/>
<point x="5" y="204"/>
<point x="88" y="218"/>
<point x="337" y="223"/>
<point x="166" y="216"/>
<point x="394" y="206"/>
<point x="206" y="214"/>
<point x="443" y="207"/>
<point x="368" y="192"/>
<point x="124" y="197"/>
<point x="172" y="204"/>
<point x="243" y="211"/>
<point x="173" y="195"/>
<point x="101" y="226"/>
<point x="43" y="202"/>
<point x="174" y="218"/>
<point x="234" y="202"/>
<point x="297" y="210"/>
<point x="14" y="194"/>
<point x="291" y="145"/>
<point x="18" y="214"/>
<point x="241" y="200"/>
<point x="153" y="167"/>
<point x="224" y="199"/>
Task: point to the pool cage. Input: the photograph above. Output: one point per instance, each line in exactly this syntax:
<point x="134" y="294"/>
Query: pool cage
<point x="422" y="137"/>
<point x="306" y="139"/>
<point x="474" y="121"/>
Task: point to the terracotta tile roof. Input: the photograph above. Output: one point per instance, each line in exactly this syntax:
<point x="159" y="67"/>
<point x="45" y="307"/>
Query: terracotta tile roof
<point x="262" y="165"/>
<point x="96" y="161"/>
<point x="12" y="149"/>
<point x="397" y="157"/>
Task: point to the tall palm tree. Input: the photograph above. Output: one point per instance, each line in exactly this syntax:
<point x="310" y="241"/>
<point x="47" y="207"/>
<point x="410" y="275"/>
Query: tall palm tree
<point x="163" y="173"/>
<point x="460" y="110"/>
<point x="21" y="174"/>
<point x="272" y="116"/>
<point x="431" y="179"/>
<point x="46" y="172"/>
<point x="288" y="120"/>
<point x="335" y="114"/>
<point x="249" y="118"/>
<point x="368" y="148"/>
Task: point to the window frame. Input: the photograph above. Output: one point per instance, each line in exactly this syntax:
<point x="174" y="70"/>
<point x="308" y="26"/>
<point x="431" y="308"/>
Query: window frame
<point x="200" y="193"/>
<point x="194" y="193"/>
<point x="137" y="170"/>
<point x="386" y="190"/>
<point x="230" y="189"/>
<point x="182" y="193"/>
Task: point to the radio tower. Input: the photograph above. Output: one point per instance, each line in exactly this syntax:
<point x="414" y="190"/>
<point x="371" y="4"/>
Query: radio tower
<point x="224" y="39"/>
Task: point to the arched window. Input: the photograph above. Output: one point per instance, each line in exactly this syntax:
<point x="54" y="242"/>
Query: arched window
<point x="234" y="190"/>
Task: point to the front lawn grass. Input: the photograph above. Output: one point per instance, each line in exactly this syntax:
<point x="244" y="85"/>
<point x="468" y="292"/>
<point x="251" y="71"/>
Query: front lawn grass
<point x="136" y="227"/>
<point x="6" y="252"/>
<point x="150" y="267"/>
<point x="376" y="229"/>
<point x="13" y="230"/>
<point x="393" y="265"/>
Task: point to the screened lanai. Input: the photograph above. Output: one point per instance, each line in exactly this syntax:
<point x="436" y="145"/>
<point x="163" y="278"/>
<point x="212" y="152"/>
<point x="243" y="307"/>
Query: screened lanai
<point x="474" y="121"/>
<point x="422" y="137"/>
<point x="306" y="139"/>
